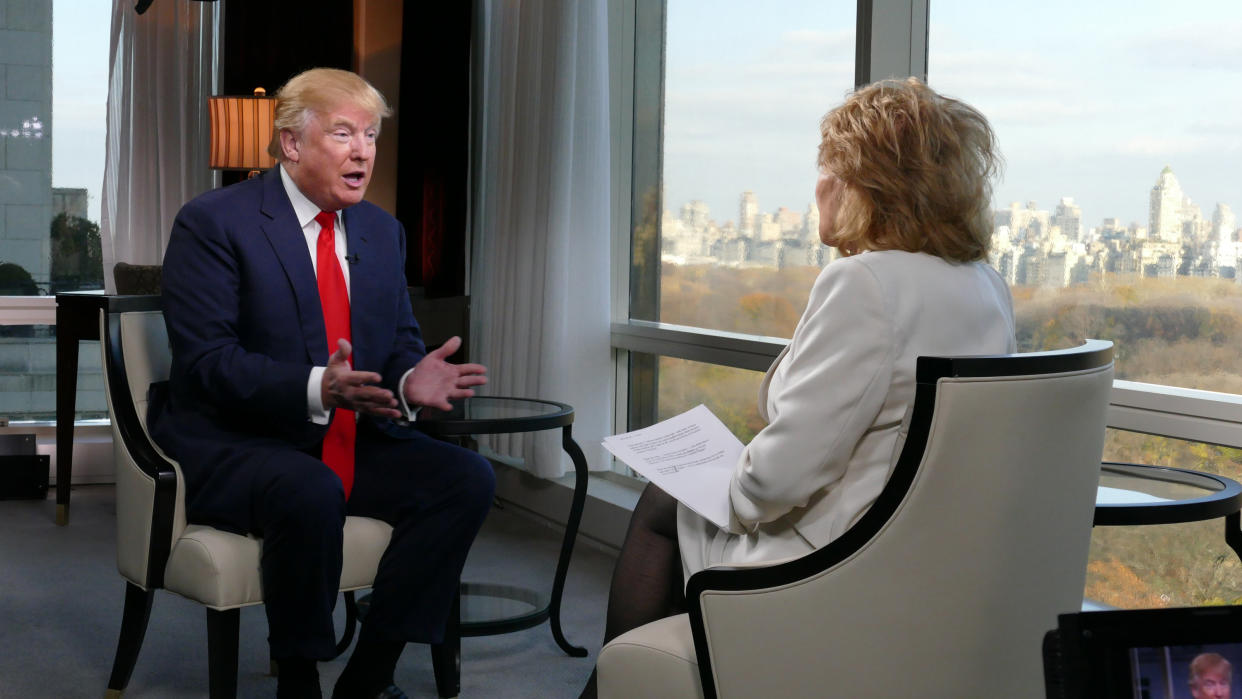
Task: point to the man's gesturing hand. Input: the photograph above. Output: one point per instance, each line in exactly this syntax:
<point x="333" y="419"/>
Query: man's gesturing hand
<point x="345" y="388"/>
<point x="434" y="381"/>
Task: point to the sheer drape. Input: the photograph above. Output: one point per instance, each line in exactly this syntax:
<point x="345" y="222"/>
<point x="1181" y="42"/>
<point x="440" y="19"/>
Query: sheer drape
<point x="162" y="70"/>
<point x="540" y="275"/>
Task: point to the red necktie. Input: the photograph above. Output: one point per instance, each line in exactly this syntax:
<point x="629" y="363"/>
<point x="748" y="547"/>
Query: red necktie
<point x="338" y="445"/>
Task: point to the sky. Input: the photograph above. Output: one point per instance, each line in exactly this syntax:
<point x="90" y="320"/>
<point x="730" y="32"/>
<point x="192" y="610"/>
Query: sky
<point x="1089" y="100"/>
<point x="80" y="35"/>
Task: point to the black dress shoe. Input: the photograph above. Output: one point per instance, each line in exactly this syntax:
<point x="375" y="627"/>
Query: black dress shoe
<point x="298" y="678"/>
<point x="392" y="691"/>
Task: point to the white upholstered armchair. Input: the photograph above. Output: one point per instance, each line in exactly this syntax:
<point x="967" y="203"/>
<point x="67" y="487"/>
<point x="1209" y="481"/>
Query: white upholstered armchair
<point x="945" y="587"/>
<point x="156" y="548"/>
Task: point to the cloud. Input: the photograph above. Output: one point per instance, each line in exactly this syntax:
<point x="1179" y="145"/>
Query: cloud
<point x="754" y="100"/>
<point x="1173" y="146"/>
<point x="837" y="42"/>
<point x="1195" y="46"/>
<point x="1228" y="128"/>
<point x="801" y="70"/>
<point x="973" y="73"/>
<point x="1043" y="112"/>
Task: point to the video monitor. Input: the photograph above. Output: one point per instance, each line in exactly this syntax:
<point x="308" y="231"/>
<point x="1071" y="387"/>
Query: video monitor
<point x="1190" y="671"/>
<point x="1179" y="653"/>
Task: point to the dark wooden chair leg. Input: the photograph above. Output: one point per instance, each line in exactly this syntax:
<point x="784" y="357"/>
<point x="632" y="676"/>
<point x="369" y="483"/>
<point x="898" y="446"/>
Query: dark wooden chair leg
<point x="133" y="631"/>
<point x="351" y="623"/>
<point x="222" y="631"/>
<point x="446" y="656"/>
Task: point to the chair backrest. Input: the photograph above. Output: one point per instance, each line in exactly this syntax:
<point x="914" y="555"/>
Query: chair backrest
<point x="149" y="502"/>
<point x="945" y="587"/>
<point x="441" y="318"/>
<point x="137" y="279"/>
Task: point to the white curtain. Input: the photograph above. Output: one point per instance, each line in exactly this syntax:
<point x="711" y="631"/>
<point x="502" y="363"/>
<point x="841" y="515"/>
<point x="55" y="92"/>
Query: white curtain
<point x="162" y="70"/>
<point x="540" y="276"/>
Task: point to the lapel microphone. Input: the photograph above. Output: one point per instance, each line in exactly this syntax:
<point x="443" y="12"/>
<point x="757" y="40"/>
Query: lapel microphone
<point x="352" y="258"/>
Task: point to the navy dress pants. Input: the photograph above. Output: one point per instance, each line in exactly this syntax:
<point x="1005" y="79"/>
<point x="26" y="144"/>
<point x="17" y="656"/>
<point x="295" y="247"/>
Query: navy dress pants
<point x="434" y="494"/>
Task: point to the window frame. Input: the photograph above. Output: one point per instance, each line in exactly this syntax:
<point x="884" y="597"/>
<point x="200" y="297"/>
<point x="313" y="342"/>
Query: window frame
<point x="891" y="41"/>
<point x="27" y="310"/>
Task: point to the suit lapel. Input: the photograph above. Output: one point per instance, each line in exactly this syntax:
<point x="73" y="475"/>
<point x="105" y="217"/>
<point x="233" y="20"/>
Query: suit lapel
<point x="362" y="260"/>
<point x="767" y="383"/>
<point x="289" y="243"/>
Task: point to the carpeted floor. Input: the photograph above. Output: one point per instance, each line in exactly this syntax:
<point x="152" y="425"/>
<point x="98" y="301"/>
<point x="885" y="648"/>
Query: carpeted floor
<point x="61" y="599"/>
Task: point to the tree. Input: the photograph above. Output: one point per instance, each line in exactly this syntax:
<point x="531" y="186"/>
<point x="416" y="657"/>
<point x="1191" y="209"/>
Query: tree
<point x="77" y="254"/>
<point x="16" y="281"/>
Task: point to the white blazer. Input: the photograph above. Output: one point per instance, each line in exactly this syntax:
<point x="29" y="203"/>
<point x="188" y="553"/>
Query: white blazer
<point x="835" y="400"/>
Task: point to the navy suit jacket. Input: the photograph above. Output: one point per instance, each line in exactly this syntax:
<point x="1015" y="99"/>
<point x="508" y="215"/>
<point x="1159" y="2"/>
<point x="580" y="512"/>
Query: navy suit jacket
<point x="246" y="327"/>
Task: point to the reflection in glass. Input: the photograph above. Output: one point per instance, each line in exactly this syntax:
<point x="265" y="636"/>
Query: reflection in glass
<point x="1172" y="564"/>
<point x="729" y="393"/>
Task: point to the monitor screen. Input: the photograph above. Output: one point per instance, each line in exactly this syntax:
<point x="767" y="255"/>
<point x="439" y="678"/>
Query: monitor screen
<point x="1189" y="671"/>
<point x="1178" y="653"/>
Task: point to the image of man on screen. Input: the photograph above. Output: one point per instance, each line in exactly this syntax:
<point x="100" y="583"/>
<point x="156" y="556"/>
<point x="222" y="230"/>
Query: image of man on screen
<point x="1210" y="676"/>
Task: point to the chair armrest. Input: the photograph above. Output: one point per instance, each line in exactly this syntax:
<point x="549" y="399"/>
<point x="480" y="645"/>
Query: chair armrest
<point x="128" y="425"/>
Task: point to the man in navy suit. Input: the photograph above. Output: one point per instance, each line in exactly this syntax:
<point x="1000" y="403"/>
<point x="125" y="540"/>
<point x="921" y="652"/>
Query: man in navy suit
<point x="295" y="356"/>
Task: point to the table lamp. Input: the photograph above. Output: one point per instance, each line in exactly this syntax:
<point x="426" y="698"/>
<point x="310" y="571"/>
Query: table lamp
<point x="241" y="128"/>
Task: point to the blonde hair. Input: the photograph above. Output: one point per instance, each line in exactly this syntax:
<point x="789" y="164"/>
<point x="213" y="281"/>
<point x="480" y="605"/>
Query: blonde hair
<point x="1206" y="662"/>
<point x="319" y="91"/>
<point x="917" y="168"/>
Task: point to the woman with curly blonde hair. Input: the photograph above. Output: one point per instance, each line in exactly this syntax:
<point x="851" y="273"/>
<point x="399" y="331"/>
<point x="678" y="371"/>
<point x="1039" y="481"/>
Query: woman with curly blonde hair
<point x="904" y="194"/>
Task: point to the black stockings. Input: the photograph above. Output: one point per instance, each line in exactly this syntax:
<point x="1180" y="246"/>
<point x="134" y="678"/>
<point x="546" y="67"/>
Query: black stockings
<point x="647" y="583"/>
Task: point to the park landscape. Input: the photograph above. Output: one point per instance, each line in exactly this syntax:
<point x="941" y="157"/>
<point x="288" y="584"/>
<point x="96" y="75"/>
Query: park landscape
<point x="1182" y="331"/>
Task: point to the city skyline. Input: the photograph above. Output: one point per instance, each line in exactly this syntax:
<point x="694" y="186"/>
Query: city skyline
<point x="1030" y="246"/>
<point x="1078" y="112"/>
<point x="1205" y="209"/>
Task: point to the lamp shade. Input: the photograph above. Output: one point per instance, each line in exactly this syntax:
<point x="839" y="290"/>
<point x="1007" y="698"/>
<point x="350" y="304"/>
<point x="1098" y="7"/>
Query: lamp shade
<point x="241" y="128"/>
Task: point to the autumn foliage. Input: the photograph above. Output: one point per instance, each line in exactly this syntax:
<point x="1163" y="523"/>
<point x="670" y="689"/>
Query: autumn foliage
<point x="1185" y="332"/>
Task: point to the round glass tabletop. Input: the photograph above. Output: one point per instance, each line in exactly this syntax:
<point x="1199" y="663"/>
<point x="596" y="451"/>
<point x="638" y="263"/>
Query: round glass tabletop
<point x="1140" y="494"/>
<point x="495" y="415"/>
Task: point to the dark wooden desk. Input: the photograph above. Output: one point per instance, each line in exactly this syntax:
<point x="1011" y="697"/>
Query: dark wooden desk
<point x="77" y="318"/>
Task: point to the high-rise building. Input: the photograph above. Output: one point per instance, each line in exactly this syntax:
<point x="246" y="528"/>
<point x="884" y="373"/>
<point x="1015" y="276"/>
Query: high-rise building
<point x="790" y="222"/>
<point x="69" y="200"/>
<point x="1167" y="208"/>
<point x="1223" y="224"/>
<point x="695" y="214"/>
<point x="1068" y="217"/>
<point x="26" y="138"/>
<point x="747" y="210"/>
<point x="810" y="222"/>
<point x="767" y="228"/>
<point x="1026" y="224"/>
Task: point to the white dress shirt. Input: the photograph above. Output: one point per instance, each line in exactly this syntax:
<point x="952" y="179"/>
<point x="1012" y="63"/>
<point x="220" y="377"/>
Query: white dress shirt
<point x="306" y="211"/>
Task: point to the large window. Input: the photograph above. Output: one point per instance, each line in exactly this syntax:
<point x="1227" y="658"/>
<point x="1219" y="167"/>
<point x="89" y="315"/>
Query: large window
<point x="1116" y="215"/>
<point x="53" y="90"/>
<point x="744" y="91"/>
<point x="727" y="238"/>
<point x="1114" y="218"/>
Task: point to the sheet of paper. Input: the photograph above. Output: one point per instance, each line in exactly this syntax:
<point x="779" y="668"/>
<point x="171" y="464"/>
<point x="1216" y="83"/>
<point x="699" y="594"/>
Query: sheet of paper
<point x="1118" y="496"/>
<point x="690" y="456"/>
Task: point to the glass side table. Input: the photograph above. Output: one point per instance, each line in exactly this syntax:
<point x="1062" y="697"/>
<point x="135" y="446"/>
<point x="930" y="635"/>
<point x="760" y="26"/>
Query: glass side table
<point x="487" y="608"/>
<point x="1135" y="494"/>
